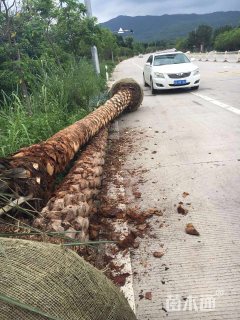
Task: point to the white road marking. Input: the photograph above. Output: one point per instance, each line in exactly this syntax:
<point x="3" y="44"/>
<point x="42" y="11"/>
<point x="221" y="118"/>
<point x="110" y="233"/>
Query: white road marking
<point x="137" y="65"/>
<point x="218" y="103"/>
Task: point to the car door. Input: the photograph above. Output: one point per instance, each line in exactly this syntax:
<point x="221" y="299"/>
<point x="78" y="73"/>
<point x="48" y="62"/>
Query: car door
<point x="148" y="69"/>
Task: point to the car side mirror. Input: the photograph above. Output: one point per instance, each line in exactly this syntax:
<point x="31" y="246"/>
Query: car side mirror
<point x="193" y="59"/>
<point x="148" y="64"/>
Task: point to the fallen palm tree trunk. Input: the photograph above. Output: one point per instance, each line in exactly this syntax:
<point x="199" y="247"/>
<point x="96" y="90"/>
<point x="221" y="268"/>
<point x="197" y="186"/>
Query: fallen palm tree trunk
<point x="70" y="207"/>
<point x="38" y="164"/>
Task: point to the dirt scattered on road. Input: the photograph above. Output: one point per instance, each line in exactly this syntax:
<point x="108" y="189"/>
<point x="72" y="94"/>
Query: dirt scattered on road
<point x="119" y="218"/>
<point x="148" y="295"/>
<point x="120" y="279"/>
<point x="181" y="209"/>
<point x="158" y="254"/>
<point x="190" y="229"/>
<point x="185" y="194"/>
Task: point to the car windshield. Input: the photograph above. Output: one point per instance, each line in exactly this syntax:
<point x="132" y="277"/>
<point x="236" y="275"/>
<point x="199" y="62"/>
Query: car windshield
<point x="174" y="58"/>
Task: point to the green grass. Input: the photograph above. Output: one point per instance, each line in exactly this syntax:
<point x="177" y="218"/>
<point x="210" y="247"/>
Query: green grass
<point x="59" y="97"/>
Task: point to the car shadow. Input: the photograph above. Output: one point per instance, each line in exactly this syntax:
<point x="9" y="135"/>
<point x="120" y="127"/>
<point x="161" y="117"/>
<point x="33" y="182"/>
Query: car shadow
<point x="174" y="91"/>
<point x="147" y="91"/>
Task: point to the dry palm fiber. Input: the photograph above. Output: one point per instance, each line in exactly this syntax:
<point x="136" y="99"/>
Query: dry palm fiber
<point x="56" y="282"/>
<point x="73" y="202"/>
<point x="41" y="162"/>
<point x="137" y="93"/>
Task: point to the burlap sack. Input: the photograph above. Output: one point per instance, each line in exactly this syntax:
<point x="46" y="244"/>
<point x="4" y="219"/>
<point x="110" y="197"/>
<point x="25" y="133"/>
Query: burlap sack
<point x="55" y="283"/>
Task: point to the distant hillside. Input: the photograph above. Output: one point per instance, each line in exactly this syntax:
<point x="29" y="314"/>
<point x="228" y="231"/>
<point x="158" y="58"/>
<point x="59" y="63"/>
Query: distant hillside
<point x="167" y="27"/>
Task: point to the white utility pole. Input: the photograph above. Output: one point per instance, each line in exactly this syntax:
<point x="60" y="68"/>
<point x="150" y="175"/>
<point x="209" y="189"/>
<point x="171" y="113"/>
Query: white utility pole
<point x="94" y="48"/>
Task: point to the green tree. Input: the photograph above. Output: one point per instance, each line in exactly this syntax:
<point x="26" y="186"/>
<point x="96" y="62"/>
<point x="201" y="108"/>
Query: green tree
<point x="129" y="42"/>
<point x="73" y="31"/>
<point x="42" y="30"/>
<point x="120" y="40"/>
<point x="138" y="48"/>
<point x="220" y="30"/>
<point x="200" y="39"/>
<point x="204" y="37"/>
<point x="182" y="44"/>
<point x="161" y="44"/>
<point x="107" y="44"/>
<point x="228" y="40"/>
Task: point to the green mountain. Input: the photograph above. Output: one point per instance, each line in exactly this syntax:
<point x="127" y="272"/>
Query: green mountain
<point x="167" y="27"/>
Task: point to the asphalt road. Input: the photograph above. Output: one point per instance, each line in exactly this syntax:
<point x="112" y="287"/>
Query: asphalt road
<point x="190" y="142"/>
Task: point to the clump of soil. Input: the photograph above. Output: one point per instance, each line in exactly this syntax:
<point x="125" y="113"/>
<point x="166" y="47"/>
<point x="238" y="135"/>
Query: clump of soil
<point x="190" y="229"/>
<point x="185" y="194"/>
<point x="158" y="254"/>
<point x="181" y="209"/>
<point x="148" y="295"/>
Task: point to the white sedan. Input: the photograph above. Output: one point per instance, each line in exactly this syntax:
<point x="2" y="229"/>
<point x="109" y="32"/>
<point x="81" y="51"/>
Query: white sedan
<point x="170" y="70"/>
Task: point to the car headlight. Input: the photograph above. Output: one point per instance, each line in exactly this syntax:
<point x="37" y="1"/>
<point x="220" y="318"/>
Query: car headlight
<point x="195" y="72"/>
<point x="158" y="75"/>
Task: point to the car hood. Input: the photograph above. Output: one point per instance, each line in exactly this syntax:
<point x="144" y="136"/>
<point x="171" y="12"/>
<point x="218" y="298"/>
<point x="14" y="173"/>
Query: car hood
<point x="175" y="68"/>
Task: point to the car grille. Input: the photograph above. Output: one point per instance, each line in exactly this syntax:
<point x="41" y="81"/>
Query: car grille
<point x="179" y="75"/>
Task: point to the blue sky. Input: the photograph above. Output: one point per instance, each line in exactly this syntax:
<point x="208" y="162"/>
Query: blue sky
<point x="106" y="10"/>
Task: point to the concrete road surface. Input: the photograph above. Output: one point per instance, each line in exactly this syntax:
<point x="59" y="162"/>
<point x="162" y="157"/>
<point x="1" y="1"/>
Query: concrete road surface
<point x="190" y="142"/>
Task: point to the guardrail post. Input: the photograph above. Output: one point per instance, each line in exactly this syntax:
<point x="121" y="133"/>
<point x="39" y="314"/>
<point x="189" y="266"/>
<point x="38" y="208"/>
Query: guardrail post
<point x="238" y="56"/>
<point x="107" y="75"/>
<point x="206" y="56"/>
<point x="225" y="57"/>
<point x="215" y="56"/>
